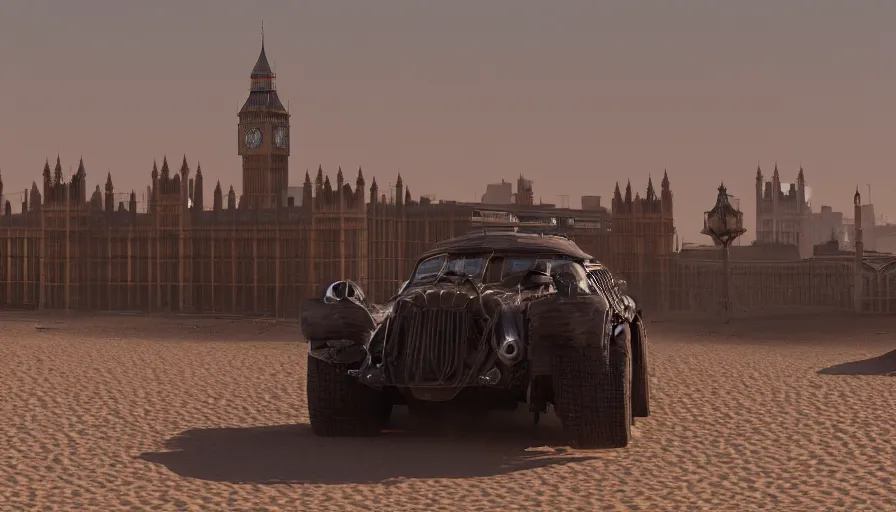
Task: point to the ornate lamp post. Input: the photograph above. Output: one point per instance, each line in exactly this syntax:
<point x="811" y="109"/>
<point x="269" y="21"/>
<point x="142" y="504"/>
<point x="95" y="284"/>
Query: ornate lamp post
<point x="724" y="224"/>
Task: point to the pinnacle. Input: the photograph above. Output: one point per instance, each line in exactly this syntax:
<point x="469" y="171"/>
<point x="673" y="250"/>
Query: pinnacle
<point x="262" y="67"/>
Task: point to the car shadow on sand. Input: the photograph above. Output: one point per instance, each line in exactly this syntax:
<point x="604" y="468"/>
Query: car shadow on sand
<point x="881" y="365"/>
<point x="284" y="454"/>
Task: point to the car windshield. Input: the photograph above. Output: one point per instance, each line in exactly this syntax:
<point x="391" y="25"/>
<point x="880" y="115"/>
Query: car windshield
<point x="564" y="271"/>
<point x="431" y="268"/>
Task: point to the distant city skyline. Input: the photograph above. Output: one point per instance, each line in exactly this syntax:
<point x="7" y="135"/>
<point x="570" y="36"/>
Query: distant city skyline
<point x="575" y="96"/>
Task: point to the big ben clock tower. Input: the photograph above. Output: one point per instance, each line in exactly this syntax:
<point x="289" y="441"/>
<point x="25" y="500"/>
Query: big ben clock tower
<point x="264" y="139"/>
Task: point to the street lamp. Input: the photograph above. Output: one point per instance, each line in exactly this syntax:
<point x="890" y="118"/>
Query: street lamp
<point x="724" y="223"/>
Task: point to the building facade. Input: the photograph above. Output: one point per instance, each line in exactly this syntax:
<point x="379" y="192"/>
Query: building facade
<point x="265" y="251"/>
<point x="643" y="233"/>
<point x="783" y="211"/>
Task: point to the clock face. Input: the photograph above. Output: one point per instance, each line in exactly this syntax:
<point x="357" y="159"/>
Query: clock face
<point x="280" y="137"/>
<point x="253" y="138"/>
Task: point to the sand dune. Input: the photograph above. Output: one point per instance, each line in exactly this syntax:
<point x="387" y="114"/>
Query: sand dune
<point x="183" y="413"/>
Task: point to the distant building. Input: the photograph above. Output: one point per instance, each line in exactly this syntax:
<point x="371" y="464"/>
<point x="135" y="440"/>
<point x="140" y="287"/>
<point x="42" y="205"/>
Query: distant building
<point x="591" y="203"/>
<point x="783" y="212"/>
<point x="784" y="216"/>
<point x="745" y="253"/>
<point x="642" y="241"/>
<point x="826" y="226"/>
<point x="869" y="229"/>
<point x="292" y="196"/>
<point x="498" y="193"/>
<point x="264" y="140"/>
<point x="885" y="237"/>
<point x="266" y="250"/>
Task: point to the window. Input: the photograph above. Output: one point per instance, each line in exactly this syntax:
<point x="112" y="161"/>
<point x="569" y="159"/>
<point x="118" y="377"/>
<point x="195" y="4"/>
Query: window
<point x="429" y="269"/>
<point x="565" y="270"/>
<point x="518" y="264"/>
<point x="469" y="266"/>
<point x="494" y="270"/>
<point x="570" y="274"/>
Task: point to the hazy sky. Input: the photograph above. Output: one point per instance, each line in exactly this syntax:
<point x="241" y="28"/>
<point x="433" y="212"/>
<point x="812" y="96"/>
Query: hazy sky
<point x="575" y="95"/>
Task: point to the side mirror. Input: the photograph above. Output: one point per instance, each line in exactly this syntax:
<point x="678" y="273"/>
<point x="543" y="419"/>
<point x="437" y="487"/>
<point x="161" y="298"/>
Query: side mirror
<point x="341" y="290"/>
<point x="335" y="292"/>
<point x="536" y="278"/>
<point x="542" y="267"/>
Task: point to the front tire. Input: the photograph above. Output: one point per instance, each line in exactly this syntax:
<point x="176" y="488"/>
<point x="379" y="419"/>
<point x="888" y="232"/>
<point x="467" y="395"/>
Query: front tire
<point x="340" y="406"/>
<point x="592" y="398"/>
<point x="640" y="373"/>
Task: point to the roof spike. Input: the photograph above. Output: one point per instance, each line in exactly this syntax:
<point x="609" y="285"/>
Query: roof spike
<point x="262" y="69"/>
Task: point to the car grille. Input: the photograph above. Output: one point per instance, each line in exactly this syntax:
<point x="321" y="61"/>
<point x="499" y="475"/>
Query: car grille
<point x="432" y="347"/>
<point x="608" y="288"/>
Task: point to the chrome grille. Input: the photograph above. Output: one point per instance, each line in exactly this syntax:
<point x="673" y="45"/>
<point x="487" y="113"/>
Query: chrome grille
<point x="430" y="347"/>
<point x="605" y="284"/>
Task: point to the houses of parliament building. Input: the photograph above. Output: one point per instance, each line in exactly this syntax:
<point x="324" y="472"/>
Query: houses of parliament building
<point x="265" y="251"/>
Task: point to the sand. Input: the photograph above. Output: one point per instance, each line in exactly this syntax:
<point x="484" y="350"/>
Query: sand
<point x="181" y="413"/>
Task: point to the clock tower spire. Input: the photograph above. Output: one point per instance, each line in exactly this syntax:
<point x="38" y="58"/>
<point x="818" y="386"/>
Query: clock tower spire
<point x="263" y="138"/>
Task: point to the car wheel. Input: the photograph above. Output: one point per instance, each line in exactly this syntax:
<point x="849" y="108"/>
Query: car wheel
<point x="640" y="370"/>
<point x="592" y="396"/>
<point x="340" y="406"/>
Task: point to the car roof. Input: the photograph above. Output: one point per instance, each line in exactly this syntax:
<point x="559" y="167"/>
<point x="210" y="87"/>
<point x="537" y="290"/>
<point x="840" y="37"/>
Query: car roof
<point x="508" y="242"/>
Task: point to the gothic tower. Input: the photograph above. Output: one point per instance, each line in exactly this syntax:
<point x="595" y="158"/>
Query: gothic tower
<point x="263" y="139"/>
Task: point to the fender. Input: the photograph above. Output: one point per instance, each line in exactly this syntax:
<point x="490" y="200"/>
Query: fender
<point x="639" y="338"/>
<point x="343" y="320"/>
<point x="337" y="331"/>
<point x="577" y="321"/>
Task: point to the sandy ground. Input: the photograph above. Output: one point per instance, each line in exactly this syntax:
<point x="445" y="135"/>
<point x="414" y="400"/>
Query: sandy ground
<point x="167" y="413"/>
